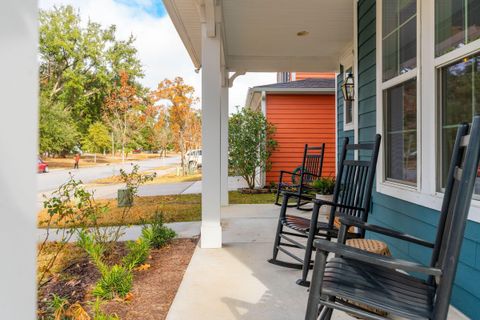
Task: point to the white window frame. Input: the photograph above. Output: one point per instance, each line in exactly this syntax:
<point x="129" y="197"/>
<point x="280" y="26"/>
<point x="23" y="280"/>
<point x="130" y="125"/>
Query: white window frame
<point x="347" y="60"/>
<point x="426" y="193"/>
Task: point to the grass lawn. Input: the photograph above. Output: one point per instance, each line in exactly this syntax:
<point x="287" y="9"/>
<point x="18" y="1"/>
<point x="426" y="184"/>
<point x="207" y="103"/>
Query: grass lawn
<point x="175" y="208"/>
<point x="168" y="178"/>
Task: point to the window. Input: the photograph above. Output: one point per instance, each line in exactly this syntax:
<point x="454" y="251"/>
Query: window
<point x="460" y="100"/>
<point x="400" y="103"/>
<point x="457" y="22"/>
<point x="399" y="75"/>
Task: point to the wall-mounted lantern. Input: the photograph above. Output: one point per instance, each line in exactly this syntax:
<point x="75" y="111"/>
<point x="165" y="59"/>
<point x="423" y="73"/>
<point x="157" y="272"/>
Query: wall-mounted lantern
<point x="348" y="88"/>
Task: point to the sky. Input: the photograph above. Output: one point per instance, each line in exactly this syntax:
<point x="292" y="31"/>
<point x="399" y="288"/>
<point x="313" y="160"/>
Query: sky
<point x="159" y="47"/>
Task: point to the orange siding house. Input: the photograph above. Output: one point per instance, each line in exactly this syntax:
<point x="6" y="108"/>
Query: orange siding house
<point x="302" y="111"/>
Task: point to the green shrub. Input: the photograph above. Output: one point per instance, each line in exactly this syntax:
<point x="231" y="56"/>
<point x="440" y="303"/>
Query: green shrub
<point x="137" y="254"/>
<point x="115" y="281"/>
<point x="157" y="234"/>
<point x="324" y="186"/>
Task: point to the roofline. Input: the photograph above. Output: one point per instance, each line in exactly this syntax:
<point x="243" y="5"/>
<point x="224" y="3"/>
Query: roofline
<point x="293" y="90"/>
<point x="182" y="32"/>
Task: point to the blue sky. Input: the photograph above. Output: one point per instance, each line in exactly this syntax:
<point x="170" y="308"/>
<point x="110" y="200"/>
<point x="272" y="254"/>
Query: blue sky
<point x="152" y="7"/>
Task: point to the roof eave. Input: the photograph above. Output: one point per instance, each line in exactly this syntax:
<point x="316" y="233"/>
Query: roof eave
<point x="182" y="32"/>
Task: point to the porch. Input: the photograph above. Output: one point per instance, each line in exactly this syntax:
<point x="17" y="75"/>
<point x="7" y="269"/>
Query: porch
<point x="237" y="282"/>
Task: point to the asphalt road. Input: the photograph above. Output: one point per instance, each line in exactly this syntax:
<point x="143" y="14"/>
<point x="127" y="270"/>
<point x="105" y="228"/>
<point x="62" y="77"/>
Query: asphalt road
<point x="53" y="179"/>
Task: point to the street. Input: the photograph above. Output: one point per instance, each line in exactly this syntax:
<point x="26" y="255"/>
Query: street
<point x="53" y="179"/>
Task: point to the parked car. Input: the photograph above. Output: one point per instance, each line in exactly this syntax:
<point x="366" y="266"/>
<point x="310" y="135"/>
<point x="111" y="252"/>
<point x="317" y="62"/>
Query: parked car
<point x="42" y="166"/>
<point x="194" y="159"/>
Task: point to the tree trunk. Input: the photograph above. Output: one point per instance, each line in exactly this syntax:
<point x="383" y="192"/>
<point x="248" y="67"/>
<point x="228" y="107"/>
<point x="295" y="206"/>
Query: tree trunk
<point x="94" y="157"/>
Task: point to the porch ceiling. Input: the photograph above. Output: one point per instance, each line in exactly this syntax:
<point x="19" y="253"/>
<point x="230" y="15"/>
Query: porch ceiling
<point x="261" y="35"/>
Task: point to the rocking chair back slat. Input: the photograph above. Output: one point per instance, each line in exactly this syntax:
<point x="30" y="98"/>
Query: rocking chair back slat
<point x="354" y="183"/>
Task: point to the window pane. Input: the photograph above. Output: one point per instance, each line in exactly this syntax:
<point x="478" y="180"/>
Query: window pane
<point x="399" y="37"/>
<point x="452" y="16"/>
<point x="408" y="45"/>
<point x="401" y="130"/>
<point x="473" y="20"/>
<point x="348" y="112"/>
<point x="460" y="101"/>
<point x="390" y="56"/>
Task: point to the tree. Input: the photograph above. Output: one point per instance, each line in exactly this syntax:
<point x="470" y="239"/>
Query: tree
<point x="250" y="144"/>
<point x="79" y="63"/>
<point x="122" y="111"/>
<point x="158" y="133"/>
<point x="57" y="130"/>
<point x="181" y="97"/>
<point x="97" y="139"/>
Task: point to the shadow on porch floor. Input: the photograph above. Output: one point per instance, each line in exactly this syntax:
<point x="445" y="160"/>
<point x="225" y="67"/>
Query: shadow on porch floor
<point x="237" y="282"/>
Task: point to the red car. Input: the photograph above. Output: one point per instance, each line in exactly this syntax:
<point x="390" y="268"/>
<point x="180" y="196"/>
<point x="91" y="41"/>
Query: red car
<point x="42" y="166"/>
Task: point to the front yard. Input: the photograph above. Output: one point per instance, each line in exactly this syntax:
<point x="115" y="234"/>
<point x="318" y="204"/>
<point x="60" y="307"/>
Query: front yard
<point x="175" y="208"/>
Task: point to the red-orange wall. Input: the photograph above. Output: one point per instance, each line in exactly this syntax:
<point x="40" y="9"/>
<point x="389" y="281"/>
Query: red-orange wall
<point x="301" y="119"/>
<point x="305" y="75"/>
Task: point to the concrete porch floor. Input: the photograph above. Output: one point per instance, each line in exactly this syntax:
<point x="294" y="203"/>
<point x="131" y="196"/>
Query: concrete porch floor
<point x="237" y="282"/>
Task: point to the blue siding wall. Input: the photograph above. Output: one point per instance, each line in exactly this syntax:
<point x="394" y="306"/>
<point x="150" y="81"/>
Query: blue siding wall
<point x="397" y="214"/>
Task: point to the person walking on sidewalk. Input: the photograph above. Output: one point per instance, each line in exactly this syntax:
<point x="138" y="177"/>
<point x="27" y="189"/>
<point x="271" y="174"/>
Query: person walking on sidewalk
<point x="77" y="160"/>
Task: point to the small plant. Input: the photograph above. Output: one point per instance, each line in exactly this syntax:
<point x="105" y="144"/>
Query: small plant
<point x="61" y="309"/>
<point x="135" y="179"/>
<point x="324" y="186"/>
<point x="116" y="281"/>
<point x="58" y="306"/>
<point x="98" y="314"/>
<point x="157" y="234"/>
<point x="138" y="253"/>
<point x="72" y="206"/>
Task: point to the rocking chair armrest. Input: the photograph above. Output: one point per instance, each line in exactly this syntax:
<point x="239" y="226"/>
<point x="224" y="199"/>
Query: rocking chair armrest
<point x="296" y="195"/>
<point x="289" y="172"/>
<point x="372" y="258"/>
<point x="337" y="205"/>
<point x="351" y="221"/>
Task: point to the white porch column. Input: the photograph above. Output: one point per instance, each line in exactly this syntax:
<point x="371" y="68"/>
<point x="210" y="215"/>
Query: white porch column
<point x="18" y="145"/>
<point x="211" y="231"/>
<point x="224" y="143"/>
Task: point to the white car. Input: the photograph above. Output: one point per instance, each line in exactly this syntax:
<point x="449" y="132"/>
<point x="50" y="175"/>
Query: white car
<point x="194" y="159"/>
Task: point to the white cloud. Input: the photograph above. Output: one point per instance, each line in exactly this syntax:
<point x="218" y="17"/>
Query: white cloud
<point x="159" y="47"/>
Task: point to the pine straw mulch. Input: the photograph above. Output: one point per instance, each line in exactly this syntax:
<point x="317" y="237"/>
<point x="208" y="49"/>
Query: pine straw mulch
<point x="153" y="289"/>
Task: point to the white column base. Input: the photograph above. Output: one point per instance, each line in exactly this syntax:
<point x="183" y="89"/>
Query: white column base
<point x="210" y="235"/>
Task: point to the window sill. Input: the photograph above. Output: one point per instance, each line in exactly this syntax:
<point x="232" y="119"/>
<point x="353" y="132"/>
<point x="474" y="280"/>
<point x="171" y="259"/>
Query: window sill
<point x="432" y="201"/>
<point x="348" y="127"/>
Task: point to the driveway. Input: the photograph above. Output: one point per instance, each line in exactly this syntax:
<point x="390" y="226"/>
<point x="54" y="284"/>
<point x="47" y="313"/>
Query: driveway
<point x="53" y="179"/>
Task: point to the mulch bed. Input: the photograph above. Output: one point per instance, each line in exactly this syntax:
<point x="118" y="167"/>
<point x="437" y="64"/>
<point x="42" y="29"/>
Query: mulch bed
<point x="254" y="191"/>
<point x="153" y="289"/>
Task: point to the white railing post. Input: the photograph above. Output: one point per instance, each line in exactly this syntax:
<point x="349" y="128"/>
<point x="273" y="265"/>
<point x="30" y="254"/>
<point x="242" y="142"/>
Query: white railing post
<point x="211" y="231"/>
<point x="18" y="149"/>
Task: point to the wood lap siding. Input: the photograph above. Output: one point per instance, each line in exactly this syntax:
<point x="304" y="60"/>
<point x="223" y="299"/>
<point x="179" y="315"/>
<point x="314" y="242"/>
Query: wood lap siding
<point x="306" y="75"/>
<point x="301" y="119"/>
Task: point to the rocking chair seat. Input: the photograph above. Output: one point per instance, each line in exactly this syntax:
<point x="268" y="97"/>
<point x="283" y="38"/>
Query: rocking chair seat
<point x="386" y="289"/>
<point x="302" y="224"/>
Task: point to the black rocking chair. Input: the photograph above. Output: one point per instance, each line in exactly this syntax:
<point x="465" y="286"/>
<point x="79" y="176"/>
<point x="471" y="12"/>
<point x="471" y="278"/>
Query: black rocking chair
<point x="355" y="278"/>
<point x="351" y="196"/>
<point x="310" y="170"/>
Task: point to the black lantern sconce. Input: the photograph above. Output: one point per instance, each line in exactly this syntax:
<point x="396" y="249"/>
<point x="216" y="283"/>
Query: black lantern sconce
<point x="348" y="88"/>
